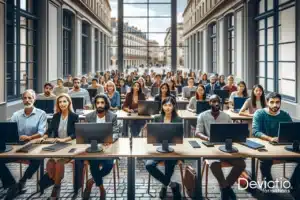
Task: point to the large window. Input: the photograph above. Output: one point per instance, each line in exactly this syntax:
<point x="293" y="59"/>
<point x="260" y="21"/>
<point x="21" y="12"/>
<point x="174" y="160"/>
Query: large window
<point x="276" y="63"/>
<point x="85" y="47"/>
<point x="213" y="41"/>
<point x="231" y="42"/>
<point x="67" y="43"/>
<point x="21" y="47"/>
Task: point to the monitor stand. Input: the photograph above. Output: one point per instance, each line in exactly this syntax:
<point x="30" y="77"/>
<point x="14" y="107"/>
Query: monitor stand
<point x="7" y="149"/>
<point x="294" y="147"/>
<point x="165" y="147"/>
<point x="94" y="148"/>
<point x="228" y="148"/>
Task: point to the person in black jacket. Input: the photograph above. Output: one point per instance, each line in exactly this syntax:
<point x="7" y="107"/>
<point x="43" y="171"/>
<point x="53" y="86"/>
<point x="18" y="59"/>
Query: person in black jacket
<point x="61" y="129"/>
<point x="164" y="92"/>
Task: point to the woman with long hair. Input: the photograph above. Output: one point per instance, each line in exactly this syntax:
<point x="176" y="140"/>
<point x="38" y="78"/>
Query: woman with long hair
<point x="255" y="102"/>
<point x="164" y="92"/>
<point x="200" y="95"/>
<point x="148" y="81"/>
<point x="241" y="92"/>
<point x="61" y="129"/>
<point x="204" y="80"/>
<point x="145" y="90"/>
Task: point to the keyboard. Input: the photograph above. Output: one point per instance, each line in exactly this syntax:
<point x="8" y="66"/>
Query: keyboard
<point x="26" y="148"/>
<point x="56" y="147"/>
<point x="253" y="145"/>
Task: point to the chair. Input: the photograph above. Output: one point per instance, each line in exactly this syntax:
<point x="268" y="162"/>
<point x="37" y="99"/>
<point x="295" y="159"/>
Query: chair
<point x="180" y="164"/>
<point x="21" y="172"/>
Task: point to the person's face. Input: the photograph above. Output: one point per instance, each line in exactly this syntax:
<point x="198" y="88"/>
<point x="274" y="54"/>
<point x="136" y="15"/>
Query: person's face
<point x="158" y="79"/>
<point x="257" y="92"/>
<point x="164" y="89"/>
<point x="110" y="87"/>
<point x="222" y="79"/>
<point x="213" y="80"/>
<point x="274" y="104"/>
<point x="48" y="90"/>
<point x="60" y="83"/>
<point x="136" y="87"/>
<point x="28" y="100"/>
<point x="141" y="81"/>
<point x="168" y="108"/>
<point x="94" y="83"/>
<point x="83" y="80"/>
<point x="100" y="105"/>
<point x="241" y="87"/>
<point x="200" y="91"/>
<point x="76" y="84"/>
<point x="63" y="103"/>
<point x="230" y="81"/>
<point x="69" y="78"/>
<point x="191" y="82"/>
<point x="215" y="105"/>
<point x="122" y="83"/>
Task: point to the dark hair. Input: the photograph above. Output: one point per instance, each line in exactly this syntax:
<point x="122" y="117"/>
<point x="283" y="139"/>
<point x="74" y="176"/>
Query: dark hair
<point x="262" y="98"/>
<point x="168" y="91"/>
<point x="174" y="84"/>
<point x="223" y="78"/>
<point x="196" y="94"/>
<point x="173" y="102"/>
<point x="157" y="75"/>
<point x="245" y="92"/>
<point x="48" y="84"/>
<point x="140" y="89"/>
<point x="148" y="76"/>
<point x="106" y="100"/>
<point x="191" y="78"/>
<point x="95" y="79"/>
<point x="76" y="79"/>
<point x="204" y="74"/>
<point x="273" y="95"/>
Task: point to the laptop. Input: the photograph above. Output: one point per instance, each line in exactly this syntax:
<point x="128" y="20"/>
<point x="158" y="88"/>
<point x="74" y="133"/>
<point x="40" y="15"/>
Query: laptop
<point x="147" y="108"/>
<point x="78" y="103"/>
<point x="202" y="106"/>
<point x="11" y="135"/>
<point x="179" y="89"/>
<point x="173" y="92"/>
<point x="238" y="103"/>
<point x="287" y="133"/>
<point x="46" y="105"/>
<point x="223" y="94"/>
<point x="154" y="91"/>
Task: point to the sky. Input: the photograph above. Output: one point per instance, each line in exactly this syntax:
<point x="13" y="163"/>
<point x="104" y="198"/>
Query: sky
<point x="155" y="24"/>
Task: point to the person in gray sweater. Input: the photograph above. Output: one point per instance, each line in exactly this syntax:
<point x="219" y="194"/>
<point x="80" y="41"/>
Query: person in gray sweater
<point x="95" y="85"/>
<point x="205" y="119"/>
<point x="48" y="87"/>
<point x="80" y="92"/>
<point x="60" y="87"/>
<point x="186" y="91"/>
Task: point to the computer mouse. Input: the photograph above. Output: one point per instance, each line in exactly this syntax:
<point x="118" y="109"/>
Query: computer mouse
<point x="262" y="150"/>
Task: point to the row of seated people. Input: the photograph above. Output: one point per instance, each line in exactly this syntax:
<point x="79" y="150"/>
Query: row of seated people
<point x="32" y="126"/>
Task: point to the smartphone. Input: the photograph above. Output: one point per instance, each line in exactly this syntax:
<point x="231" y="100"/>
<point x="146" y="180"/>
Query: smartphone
<point x="72" y="150"/>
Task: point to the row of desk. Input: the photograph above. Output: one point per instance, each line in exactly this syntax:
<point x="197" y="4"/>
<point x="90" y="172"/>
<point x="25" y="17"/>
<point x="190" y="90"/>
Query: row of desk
<point x="140" y="149"/>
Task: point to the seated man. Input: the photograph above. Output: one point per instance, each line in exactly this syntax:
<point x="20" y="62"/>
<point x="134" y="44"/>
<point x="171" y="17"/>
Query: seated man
<point x="212" y="85"/>
<point x="31" y="125"/>
<point x="95" y="85"/>
<point x="157" y="82"/>
<point x="100" y="115"/>
<point x="60" y="87"/>
<point x="48" y="88"/>
<point x="205" y="119"/>
<point x="76" y="91"/>
<point x="186" y="91"/>
<point x="69" y="82"/>
<point x="265" y="126"/>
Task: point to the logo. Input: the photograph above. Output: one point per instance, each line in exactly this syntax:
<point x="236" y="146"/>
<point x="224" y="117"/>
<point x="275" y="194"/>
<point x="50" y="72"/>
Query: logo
<point x="275" y="186"/>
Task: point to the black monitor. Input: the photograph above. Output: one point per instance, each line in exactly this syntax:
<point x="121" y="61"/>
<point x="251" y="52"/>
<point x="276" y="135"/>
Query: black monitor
<point x="173" y="92"/>
<point x="94" y="133"/>
<point x="154" y="91"/>
<point x="161" y="133"/>
<point x="46" y="105"/>
<point x="288" y="132"/>
<point x="179" y="89"/>
<point x="92" y="92"/>
<point x="202" y="106"/>
<point x="78" y="103"/>
<point x="223" y="94"/>
<point x="238" y="103"/>
<point x="148" y="107"/>
<point x="9" y="135"/>
<point x="228" y="133"/>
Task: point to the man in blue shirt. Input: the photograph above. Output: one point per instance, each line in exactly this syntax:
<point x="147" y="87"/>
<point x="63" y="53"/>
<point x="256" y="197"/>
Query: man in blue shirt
<point x="31" y="125"/>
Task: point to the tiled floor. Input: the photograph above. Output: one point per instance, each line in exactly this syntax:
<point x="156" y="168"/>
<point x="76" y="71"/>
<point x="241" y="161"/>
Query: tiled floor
<point x="141" y="184"/>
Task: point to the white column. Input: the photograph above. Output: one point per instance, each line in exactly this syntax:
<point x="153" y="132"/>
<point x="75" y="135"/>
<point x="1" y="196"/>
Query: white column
<point x="221" y="40"/>
<point x="196" y="52"/>
<point x="205" y="48"/>
<point x="190" y="53"/>
<point x="78" y="47"/>
<point x="52" y="42"/>
<point x="239" y="45"/>
<point x="92" y="50"/>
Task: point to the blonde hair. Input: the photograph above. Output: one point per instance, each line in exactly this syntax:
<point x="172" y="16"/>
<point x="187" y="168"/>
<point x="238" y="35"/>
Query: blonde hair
<point x="111" y="83"/>
<point x="70" y="107"/>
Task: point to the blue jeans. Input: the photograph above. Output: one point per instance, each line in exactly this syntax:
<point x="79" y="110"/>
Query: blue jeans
<point x="97" y="173"/>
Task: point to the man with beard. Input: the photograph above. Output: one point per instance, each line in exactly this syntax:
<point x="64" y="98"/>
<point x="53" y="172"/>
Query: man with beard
<point x="102" y="114"/>
<point x="205" y="119"/>
<point x="213" y="85"/>
<point x="48" y="88"/>
<point x="76" y="91"/>
<point x="265" y="126"/>
<point x="31" y="123"/>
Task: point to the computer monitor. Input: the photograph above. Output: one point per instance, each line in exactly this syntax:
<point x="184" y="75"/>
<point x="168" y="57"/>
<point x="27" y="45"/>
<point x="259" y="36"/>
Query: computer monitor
<point x="202" y="106"/>
<point x="191" y="94"/>
<point x="92" y="92"/>
<point x="148" y="107"/>
<point x="93" y="133"/>
<point x="238" y="103"/>
<point x="8" y="136"/>
<point x="46" y="105"/>
<point x="78" y="103"/>
<point x="288" y="132"/>
<point x="179" y="89"/>
<point x="228" y="133"/>
<point x="223" y="94"/>
<point x="173" y="92"/>
<point x="161" y="133"/>
<point x="154" y="91"/>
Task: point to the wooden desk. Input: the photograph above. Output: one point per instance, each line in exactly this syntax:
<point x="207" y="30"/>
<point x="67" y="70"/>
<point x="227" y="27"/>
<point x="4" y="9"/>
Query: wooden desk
<point x="236" y="116"/>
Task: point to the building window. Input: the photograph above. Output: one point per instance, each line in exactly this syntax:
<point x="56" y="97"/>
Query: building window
<point x="85" y="47"/>
<point x="67" y="43"/>
<point x="21" y="47"/>
<point x="276" y="47"/>
<point x="231" y="43"/>
<point x="97" y="50"/>
<point x="213" y="42"/>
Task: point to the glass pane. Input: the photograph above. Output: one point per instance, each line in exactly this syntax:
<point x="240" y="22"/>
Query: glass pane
<point x="261" y="37"/>
<point x="287" y="28"/>
<point x="135" y="1"/>
<point x="270" y="4"/>
<point x="270" y="84"/>
<point x="261" y="6"/>
<point x="287" y="52"/>
<point x="160" y="10"/>
<point x="23" y="54"/>
<point x="23" y="39"/>
<point x="283" y="1"/>
<point x="270" y="36"/>
<point x="261" y="81"/>
<point x="31" y="57"/>
<point x="164" y="24"/>
<point x="270" y="70"/>
<point x="287" y="87"/>
<point x="159" y="1"/>
<point x="261" y="69"/>
<point x="271" y="53"/>
<point x="135" y="10"/>
<point x="134" y="24"/>
<point x="261" y="53"/>
<point x="287" y="70"/>
<point x="163" y="39"/>
<point x="261" y="24"/>
<point x="23" y="4"/>
<point x="30" y="35"/>
<point x="270" y="21"/>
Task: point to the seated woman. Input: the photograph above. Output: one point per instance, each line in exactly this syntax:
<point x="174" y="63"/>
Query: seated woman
<point x="123" y="88"/>
<point x="200" y="95"/>
<point x="172" y="86"/>
<point x="145" y="90"/>
<point x="255" y="102"/>
<point x="130" y="105"/>
<point x="148" y="82"/>
<point x="241" y="92"/>
<point x="113" y="95"/>
<point x="168" y="115"/>
<point x="164" y="92"/>
<point x="62" y="129"/>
